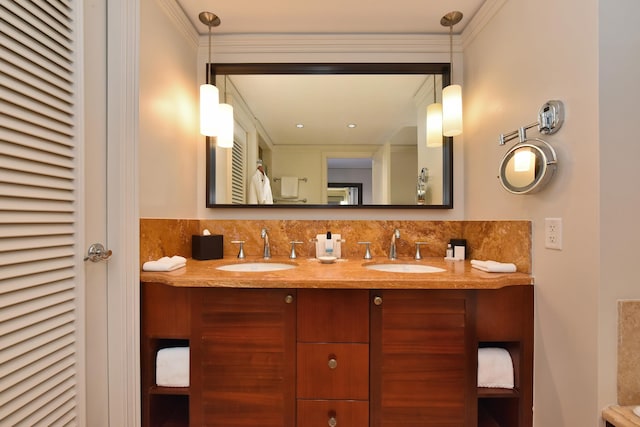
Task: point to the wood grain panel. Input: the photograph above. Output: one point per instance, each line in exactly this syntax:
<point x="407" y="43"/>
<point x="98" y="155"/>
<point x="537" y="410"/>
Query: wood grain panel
<point x="165" y="311"/>
<point x="419" y="374"/>
<point x="336" y="315"/>
<point x="349" y="413"/>
<point x="246" y="358"/>
<point x="348" y="380"/>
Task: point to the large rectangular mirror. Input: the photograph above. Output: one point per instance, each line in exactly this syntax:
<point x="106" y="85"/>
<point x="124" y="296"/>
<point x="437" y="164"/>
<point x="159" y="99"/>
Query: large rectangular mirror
<point x="307" y="129"/>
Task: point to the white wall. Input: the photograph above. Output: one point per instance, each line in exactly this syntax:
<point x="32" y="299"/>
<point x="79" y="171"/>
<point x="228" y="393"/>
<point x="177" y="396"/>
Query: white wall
<point x="619" y="91"/>
<point x="528" y="53"/>
<point x="169" y="119"/>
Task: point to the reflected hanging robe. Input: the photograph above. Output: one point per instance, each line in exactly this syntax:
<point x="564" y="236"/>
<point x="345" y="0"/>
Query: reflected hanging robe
<point x="260" y="189"/>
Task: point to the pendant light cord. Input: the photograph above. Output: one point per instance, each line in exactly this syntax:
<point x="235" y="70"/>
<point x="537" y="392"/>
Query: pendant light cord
<point x="451" y="52"/>
<point x="434" y="89"/>
<point x="209" y="61"/>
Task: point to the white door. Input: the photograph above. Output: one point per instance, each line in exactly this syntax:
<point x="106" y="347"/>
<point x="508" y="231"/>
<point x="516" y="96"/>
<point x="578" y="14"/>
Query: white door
<point x="42" y="363"/>
<point x="56" y="160"/>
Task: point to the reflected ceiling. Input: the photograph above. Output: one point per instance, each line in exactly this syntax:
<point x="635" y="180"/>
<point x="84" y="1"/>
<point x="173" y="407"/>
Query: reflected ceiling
<point x="381" y="107"/>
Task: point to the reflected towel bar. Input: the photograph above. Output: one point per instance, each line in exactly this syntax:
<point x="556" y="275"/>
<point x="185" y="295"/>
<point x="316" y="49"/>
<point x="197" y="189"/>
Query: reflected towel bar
<point x="290" y="200"/>
<point x="299" y="179"/>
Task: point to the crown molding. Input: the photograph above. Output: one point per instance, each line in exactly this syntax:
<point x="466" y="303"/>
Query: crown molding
<point x="180" y="20"/>
<point x="329" y="43"/>
<point x="486" y="12"/>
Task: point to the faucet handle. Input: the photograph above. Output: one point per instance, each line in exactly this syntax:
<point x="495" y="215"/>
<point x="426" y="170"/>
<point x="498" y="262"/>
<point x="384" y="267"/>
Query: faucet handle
<point x="241" y="250"/>
<point x="367" y="252"/>
<point x="293" y="255"/>
<point x="418" y="254"/>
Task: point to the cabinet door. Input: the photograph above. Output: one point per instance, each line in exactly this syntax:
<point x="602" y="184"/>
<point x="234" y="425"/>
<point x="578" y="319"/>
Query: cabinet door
<point x="243" y="358"/>
<point x="422" y="370"/>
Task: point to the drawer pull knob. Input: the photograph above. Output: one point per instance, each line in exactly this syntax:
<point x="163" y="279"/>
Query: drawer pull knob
<point x="377" y="300"/>
<point x="333" y="363"/>
<point x="288" y="299"/>
<point x="333" y="422"/>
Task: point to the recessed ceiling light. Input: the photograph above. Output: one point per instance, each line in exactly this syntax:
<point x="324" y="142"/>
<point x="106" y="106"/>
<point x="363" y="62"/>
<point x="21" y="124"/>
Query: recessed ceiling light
<point x="299" y="125"/>
<point x="352" y="125"/>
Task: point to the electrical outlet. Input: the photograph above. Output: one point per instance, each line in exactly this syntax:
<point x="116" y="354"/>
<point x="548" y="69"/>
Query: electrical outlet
<point x="553" y="233"/>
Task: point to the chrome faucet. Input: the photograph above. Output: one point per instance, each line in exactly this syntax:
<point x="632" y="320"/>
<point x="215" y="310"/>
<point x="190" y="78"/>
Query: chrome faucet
<point x="266" y="252"/>
<point x="392" y="250"/>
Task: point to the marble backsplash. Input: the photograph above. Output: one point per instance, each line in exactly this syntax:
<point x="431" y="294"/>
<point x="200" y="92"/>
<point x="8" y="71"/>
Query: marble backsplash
<point x="505" y="241"/>
<point x="628" y="351"/>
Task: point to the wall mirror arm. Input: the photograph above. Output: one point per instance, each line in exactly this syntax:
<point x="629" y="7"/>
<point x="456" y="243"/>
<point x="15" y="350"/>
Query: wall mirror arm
<point x="550" y="120"/>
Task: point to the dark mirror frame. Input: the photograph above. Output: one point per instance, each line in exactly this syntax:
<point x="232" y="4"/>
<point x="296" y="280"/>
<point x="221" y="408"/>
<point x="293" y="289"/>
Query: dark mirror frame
<point x="332" y="68"/>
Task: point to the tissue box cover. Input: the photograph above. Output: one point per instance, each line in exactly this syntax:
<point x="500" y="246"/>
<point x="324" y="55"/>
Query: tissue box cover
<point x="206" y="247"/>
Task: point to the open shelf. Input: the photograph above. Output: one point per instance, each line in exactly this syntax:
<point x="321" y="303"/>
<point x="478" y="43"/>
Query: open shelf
<point x="169" y="411"/>
<point x="505" y="320"/>
<point x="169" y="390"/>
<point x="484" y="392"/>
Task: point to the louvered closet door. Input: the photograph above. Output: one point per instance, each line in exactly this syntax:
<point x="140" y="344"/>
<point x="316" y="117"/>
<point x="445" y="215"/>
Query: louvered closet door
<point x="40" y="283"/>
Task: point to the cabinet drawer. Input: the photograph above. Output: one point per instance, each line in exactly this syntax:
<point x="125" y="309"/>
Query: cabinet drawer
<point x="333" y="371"/>
<point x="323" y="413"/>
<point x="333" y="315"/>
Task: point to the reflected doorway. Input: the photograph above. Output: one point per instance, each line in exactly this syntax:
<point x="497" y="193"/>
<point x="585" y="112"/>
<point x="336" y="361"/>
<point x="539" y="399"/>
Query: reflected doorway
<point x="344" y="193"/>
<point x="354" y="174"/>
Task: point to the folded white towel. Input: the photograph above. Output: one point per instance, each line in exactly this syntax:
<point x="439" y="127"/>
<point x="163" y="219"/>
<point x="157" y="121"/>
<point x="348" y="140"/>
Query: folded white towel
<point x="493" y="266"/>
<point x="289" y="187"/>
<point x="172" y="367"/>
<point x="636" y="410"/>
<point x="165" y="264"/>
<point x="495" y="368"/>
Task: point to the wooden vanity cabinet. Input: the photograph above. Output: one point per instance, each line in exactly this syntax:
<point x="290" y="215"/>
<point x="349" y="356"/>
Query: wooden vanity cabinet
<point x="243" y="357"/>
<point x="354" y="357"/>
<point x="422" y="358"/>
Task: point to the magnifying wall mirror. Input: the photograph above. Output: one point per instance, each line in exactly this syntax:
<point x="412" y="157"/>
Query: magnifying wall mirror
<point x="531" y="163"/>
<point x="528" y="166"/>
<point x="301" y="120"/>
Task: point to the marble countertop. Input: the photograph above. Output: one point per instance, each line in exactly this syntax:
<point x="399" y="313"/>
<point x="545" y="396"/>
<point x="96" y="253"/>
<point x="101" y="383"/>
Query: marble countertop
<point x="621" y="416"/>
<point x="348" y="273"/>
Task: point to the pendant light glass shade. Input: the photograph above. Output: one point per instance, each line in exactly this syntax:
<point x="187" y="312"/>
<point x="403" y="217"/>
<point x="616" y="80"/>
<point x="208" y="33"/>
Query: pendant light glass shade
<point x="452" y="110"/>
<point x="209" y="100"/>
<point x="452" y="94"/>
<point x="225" y="126"/>
<point x="434" y="125"/>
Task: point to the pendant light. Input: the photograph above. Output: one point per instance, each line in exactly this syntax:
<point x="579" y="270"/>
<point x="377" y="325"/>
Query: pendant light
<point x="452" y="94"/>
<point x="209" y="96"/>
<point x="434" y="121"/>
<point x="224" y="137"/>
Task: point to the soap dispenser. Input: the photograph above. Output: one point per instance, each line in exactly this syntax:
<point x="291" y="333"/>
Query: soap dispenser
<point x="328" y="248"/>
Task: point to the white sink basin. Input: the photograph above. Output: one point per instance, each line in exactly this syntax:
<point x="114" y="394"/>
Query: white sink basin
<point x="404" y="268"/>
<point x="251" y="267"/>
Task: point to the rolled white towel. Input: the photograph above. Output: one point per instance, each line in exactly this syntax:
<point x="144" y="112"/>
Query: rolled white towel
<point x="495" y="368"/>
<point x="493" y="266"/>
<point x="165" y="264"/>
<point x="172" y="367"/>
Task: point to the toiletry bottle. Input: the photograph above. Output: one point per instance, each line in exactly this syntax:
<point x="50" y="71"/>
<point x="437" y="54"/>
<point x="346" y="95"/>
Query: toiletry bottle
<point x="449" y="251"/>
<point x="328" y="248"/>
